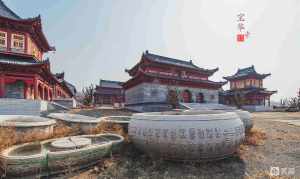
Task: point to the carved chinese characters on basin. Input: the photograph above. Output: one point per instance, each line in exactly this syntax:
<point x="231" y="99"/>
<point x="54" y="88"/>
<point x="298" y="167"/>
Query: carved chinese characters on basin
<point x="186" y="135"/>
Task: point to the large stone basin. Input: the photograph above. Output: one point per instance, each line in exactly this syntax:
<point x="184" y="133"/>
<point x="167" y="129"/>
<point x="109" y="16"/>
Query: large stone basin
<point x="52" y="157"/>
<point x="85" y="123"/>
<point x="24" y="125"/>
<point x="187" y="136"/>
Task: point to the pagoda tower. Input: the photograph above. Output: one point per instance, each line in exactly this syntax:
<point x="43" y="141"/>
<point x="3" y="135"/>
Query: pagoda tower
<point x="247" y="90"/>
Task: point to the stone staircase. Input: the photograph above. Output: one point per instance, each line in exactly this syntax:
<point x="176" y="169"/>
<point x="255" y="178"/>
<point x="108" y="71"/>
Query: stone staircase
<point x="22" y="107"/>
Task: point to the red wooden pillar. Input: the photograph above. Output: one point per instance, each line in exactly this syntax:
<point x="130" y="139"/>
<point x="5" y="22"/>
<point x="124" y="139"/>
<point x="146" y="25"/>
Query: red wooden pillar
<point x="43" y="93"/>
<point x="36" y="88"/>
<point x="2" y="86"/>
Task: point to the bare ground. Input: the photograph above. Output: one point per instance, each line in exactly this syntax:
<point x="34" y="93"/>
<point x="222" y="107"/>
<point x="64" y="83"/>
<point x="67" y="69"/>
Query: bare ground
<point x="279" y="148"/>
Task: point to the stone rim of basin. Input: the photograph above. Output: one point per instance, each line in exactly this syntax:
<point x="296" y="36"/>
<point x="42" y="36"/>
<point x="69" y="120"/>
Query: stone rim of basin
<point x="5" y="154"/>
<point x="76" y="118"/>
<point x="107" y="119"/>
<point x="24" y="121"/>
<point x="193" y="115"/>
<point x="121" y="138"/>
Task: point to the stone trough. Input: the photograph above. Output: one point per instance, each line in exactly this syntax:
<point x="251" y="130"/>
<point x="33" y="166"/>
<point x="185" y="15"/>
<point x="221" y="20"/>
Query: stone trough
<point x="27" y="125"/>
<point x="56" y="156"/>
<point x="187" y="136"/>
<point x="120" y="120"/>
<point x="85" y="123"/>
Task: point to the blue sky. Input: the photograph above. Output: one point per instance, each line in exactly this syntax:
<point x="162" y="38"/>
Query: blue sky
<point x="100" y="38"/>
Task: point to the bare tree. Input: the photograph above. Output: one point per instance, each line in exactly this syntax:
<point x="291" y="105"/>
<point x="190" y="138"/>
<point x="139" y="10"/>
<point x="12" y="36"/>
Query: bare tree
<point x="88" y="93"/>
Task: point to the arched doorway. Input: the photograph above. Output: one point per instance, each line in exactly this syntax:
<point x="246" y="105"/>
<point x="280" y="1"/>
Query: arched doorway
<point x="200" y="98"/>
<point x="186" y="96"/>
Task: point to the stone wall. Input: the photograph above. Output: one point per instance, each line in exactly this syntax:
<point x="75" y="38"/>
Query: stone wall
<point x="22" y="107"/>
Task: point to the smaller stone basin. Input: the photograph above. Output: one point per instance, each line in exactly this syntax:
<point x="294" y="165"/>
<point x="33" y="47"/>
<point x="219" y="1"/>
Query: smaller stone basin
<point x="56" y="156"/>
<point x="86" y="123"/>
<point x="24" y="125"/>
<point x="120" y="120"/>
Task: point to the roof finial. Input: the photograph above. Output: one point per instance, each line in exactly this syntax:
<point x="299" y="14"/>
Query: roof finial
<point x="147" y="51"/>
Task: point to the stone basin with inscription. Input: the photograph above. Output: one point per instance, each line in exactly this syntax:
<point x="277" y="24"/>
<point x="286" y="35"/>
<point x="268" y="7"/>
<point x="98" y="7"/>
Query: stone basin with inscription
<point x="187" y="136"/>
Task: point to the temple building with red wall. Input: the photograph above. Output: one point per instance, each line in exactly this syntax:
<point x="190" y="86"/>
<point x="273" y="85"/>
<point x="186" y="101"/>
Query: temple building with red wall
<point x="154" y="77"/>
<point x="247" y="90"/>
<point x="109" y="93"/>
<point x="24" y="74"/>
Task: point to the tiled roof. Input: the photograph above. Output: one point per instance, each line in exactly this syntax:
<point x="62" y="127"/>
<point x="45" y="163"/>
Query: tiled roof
<point x="244" y="72"/>
<point x="176" y="62"/>
<point x="110" y="84"/>
<point x="71" y="87"/>
<point x="6" y="12"/>
<point x="247" y="91"/>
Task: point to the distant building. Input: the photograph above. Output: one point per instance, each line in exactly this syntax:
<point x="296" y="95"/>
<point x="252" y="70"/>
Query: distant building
<point x="23" y="72"/>
<point x="109" y="93"/>
<point x="246" y="88"/>
<point x="154" y="77"/>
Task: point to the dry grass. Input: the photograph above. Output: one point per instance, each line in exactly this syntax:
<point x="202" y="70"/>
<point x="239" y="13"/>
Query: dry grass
<point x="8" y="136"/>
<point x="255" y="137"/>
<point x="267" y="175"/>
<point x="107" y="127"/>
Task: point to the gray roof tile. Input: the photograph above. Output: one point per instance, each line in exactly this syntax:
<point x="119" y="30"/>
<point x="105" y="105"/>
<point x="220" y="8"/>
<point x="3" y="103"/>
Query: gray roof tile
<point x="110" y="84"/>
<point x="6" y="12"/>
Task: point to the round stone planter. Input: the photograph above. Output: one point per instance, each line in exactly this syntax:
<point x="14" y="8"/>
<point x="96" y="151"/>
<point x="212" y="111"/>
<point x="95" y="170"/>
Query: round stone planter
<point x="55" y="155"/>
<point x="26" y="125"/>
<point x="187" y="136"/>
<point x="117" y="141"/>
<point x="85" y="123"/>
<point x="120" y="120"/>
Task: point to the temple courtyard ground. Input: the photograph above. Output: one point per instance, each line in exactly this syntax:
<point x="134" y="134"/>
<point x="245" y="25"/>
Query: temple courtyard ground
<point x="272" y="143"/>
